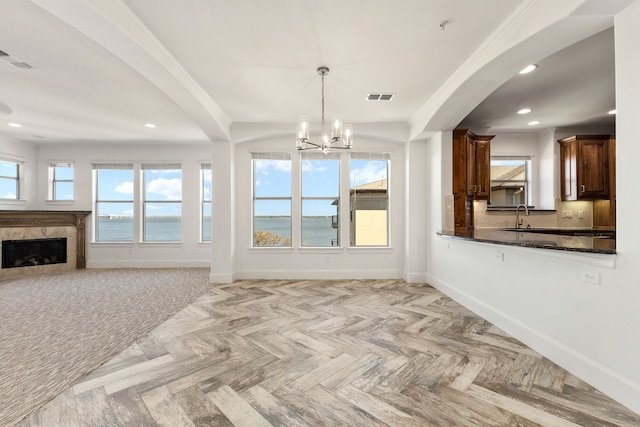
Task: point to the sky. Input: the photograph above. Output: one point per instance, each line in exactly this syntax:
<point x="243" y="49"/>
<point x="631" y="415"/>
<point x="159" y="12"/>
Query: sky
<point x="160" y="186"/>
<point x="320" y="178"/>
<point x="8" y="170"/>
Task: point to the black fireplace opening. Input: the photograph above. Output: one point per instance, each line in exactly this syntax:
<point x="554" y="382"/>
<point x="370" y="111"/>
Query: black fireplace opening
<point x="27" y="253"/>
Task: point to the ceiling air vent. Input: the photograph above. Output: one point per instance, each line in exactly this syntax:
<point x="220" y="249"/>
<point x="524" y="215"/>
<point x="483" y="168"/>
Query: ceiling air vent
<point x="13" y="61"/>
<point x="380" y="96"/>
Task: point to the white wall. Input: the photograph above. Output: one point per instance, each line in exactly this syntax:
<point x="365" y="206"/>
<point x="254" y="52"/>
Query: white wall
<point x="327" y="263"/>
<point x="537" y="295"/>
<point x="189" y="252"/>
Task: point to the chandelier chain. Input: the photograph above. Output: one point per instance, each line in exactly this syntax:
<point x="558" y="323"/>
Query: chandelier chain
<point x="322" y="74"/>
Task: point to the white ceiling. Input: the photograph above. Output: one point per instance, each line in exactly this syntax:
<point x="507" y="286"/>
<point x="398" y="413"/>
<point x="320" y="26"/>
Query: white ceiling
<point x="104" y="68"/>
<point x="571" y="88"/>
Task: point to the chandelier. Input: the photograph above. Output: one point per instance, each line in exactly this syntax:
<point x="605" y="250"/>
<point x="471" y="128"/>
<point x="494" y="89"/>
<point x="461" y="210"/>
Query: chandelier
<point x="328" y="140"/>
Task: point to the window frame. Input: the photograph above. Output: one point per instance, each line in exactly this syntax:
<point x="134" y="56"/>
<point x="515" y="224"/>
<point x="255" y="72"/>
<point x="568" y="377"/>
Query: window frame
<point x="152" y="166"/>
<point x="204" y="201"/>
<point x="53" y="180"/>
<point x="280" y="156"/>
<point x="311" y="156"/>
<point x="96" y="175"/>
<point x="372" y="156"/>
<point x="528" y="167"/>
<point x="18" y="179"/>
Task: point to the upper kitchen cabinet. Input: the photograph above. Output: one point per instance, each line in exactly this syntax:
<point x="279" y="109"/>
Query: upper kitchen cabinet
<point x="585" y="167"/>
<point x="471" y="174"/>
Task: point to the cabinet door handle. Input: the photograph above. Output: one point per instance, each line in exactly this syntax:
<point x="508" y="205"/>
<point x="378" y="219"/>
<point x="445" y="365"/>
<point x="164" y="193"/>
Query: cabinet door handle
<point x="474" y="188"/>
<point x="582" y="186"/>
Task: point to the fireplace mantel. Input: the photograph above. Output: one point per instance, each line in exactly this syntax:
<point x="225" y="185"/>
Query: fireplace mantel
<point x="50" y="219"/>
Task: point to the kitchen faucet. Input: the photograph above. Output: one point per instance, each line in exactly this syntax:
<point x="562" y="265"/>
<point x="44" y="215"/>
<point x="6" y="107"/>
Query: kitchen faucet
<point x="518" y="220"/>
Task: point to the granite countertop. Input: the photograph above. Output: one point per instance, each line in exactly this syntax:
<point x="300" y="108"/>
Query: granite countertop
<point x="577" y="240"/>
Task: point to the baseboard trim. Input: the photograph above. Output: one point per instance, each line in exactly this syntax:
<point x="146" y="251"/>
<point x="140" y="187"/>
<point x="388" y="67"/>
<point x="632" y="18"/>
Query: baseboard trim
<point x="222" y="278"/>
<point x="318" y="274"/>
<point x="415" y="277"/>
<point x="148" y="263"/>
<point x="608" y="381"/>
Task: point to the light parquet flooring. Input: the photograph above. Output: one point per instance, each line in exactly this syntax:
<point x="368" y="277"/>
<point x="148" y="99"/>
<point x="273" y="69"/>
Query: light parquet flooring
<point x="329" y="353"/>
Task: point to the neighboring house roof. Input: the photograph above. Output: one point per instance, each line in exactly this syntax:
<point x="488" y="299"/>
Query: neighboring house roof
<point x="380" y="185"/>
<point x="503" y="174"/>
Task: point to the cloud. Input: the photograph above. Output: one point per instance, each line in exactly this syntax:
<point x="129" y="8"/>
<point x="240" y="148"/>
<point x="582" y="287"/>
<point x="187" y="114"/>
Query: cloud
<point x="313" y="166"/>
<point x="171" y="189"/>
<point x="264" y="166"/>
<point x="9" y="195"/>
<point x="125" y="188"/>
<point x="370" y="172"/>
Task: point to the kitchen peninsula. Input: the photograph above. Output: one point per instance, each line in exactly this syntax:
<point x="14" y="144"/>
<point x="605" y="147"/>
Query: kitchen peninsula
<point x="575" y="240"/>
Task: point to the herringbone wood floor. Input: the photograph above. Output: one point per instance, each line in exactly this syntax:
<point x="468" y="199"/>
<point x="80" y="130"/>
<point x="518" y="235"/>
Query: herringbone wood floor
<point x="327" y="353"/>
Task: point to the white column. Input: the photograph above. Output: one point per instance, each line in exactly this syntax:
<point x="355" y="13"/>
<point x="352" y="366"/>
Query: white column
<point x="222" y="213"/>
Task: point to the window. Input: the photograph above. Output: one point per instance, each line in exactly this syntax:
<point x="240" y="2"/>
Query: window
<point x="10" y="174"/>
<point x="510" y="180"/>
<point x="61" y="181"/>
<point x="369" y="199"/>
<point x="205" y="197"/>
<point x="271" y="199"/>
<point x="114" y="202"/>
<point x="320" y="199"/>
<point x="162" y="202"/>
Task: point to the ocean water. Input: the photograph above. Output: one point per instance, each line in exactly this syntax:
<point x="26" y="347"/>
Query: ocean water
<point x="316" y="231"/>
<point x="158" y="229"/>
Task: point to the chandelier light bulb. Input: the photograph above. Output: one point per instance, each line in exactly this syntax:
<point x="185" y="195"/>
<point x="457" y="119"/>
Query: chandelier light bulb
<point x="348" y="136"/>
<point x="303" y="132"/>
<point x="336" y="129"/>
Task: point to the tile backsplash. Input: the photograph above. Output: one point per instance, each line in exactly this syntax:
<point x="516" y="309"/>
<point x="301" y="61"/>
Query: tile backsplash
<point x="567" y="215"/>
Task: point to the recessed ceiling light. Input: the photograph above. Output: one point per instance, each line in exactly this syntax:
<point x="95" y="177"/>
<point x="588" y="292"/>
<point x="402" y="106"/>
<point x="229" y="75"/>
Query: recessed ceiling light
<point x="528" y="69"/>
<point x="612" y="112"/>
<point x="534" y="122"/>
<point x="524" y="111"/>
<point x="15" y="125"/>
<point x="150" y="125"/>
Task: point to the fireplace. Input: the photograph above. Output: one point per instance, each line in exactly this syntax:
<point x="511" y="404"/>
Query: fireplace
<point x="40" y="226"/>
<point x="27" y="253"/>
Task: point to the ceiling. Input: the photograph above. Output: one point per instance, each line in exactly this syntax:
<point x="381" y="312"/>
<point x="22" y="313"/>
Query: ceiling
<point x="101" y="69"/>
<point x="574" y="87"/>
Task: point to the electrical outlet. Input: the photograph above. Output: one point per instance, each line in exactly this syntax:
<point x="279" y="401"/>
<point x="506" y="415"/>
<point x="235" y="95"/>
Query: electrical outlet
<point x="580" y="214"/>
<point x="590" y="277"/>
<point x="567" y="214"/>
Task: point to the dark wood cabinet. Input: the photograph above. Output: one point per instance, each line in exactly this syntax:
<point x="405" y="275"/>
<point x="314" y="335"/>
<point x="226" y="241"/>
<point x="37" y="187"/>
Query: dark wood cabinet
<point x="471" y="174"/>
<point x="482" y="164"/>
<point x="585" y="167"/>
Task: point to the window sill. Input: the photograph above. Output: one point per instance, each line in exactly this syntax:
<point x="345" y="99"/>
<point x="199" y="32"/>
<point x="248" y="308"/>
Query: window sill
<point x="370" y="250"/>
<point x="273" y="249"/>
<point x="321" y="250"/>
<point x="60" y="202"/>
<point x="120" y="243"/>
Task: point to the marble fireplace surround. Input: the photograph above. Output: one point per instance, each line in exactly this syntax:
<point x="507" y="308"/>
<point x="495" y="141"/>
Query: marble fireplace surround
<point x="16" y="225"/>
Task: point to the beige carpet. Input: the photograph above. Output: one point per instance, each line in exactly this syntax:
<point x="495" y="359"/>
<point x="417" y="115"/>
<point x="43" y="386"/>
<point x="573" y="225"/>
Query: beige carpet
<point x="55" y="329"/>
